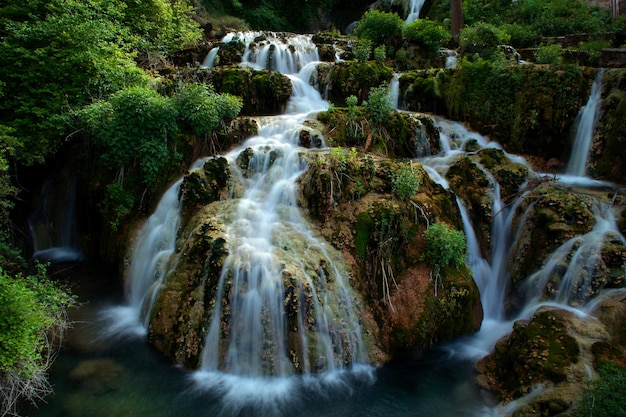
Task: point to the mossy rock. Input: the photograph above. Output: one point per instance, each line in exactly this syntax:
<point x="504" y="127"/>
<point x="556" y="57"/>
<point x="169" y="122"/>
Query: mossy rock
<point x="608" y="153"/>
<point x="345" y="79"/>
<point x="539" y="350"/>
<point x="402" y="135"/>
<point x="204" y="186"/>
<point x="551" y="216"/>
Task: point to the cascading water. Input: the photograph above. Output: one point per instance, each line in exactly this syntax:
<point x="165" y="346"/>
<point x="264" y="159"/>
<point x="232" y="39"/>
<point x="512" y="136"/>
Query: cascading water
<point x="210" y="59"/>
<point x="252" y="279"/>
<point x="586" y="121"/>
<point x="415" y="6"/>
<point x="53" y="224"/>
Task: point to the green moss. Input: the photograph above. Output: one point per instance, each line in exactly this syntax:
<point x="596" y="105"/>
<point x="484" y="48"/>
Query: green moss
<point x="363" y="228"/>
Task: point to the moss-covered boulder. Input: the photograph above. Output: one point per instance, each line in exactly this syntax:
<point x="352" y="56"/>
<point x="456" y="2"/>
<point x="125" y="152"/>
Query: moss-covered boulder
<point x="353" y="199"/>
<point x="608" y="154"/>
<point x="472" y="177"/>
<point x="551" y="358"/>
<point x="567" y="244"/>
<point x="342" y="79"/>
<point x="529" y="109"/>
<point x="263" y="92"/>
<point x="402" y="135"/>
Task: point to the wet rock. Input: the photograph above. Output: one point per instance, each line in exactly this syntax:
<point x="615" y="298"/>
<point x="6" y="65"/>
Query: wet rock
<point x="98" y="375"/>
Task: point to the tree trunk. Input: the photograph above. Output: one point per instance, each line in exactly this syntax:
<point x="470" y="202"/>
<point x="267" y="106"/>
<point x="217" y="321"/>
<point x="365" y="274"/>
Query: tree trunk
<point x="457" y="18"/>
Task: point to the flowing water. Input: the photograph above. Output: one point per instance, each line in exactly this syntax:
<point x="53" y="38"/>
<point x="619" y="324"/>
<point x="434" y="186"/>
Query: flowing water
<point x="586" y="122"/>
<point x="415" y="6"/>
<point x="53" y="224"/>
<point x="439" y="384"/>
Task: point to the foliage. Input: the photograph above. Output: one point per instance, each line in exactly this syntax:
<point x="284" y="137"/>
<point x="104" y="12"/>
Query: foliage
<point x="522" y="36"/>
<point x="605" y="395"/>
<point x="201" y="109"/>
<point x="59" y="55"/>
<point x="133" y="127"/>
<point x="378" y="104"/>
<point x="379" y="27"/>
<point x="544" y="17"/>
<point x="548" y="54"/>
<point x="427" y="33"/>
<point x="445" y="246"/>
<point x="32" y="308"/>
<point x="362" y="50"/>
<point x="380" y="53"/>
<point x="483" y="39"/>
<point x="406" y="181"/>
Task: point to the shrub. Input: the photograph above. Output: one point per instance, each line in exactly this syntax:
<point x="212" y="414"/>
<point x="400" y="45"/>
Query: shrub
<point x="380" y="53"/>
<point x="379" y="27"/>
<point x="32" y="309"/>
<point x="362" y="50"/>
<point x="431" y="35"/>
<point x="445" y="246"/>
<point x="548" y="54"/>
<point x="379" y="104"/>
<point x="522" y="36"/>
<point x="406" y="182"/>
<point x="201" y="109"/>
<point x="605" y="395"/>
<point x="483" y="39"/>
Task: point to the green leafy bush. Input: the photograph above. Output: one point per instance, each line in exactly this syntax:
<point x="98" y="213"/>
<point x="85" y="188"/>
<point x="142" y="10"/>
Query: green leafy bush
<point x="380" y="53"/>
<point x="427" y="33"/>
<point x="445" y="246"/>
<point x="483" y="39"/>
<point x="379" y="27"/>
<point x="522" y="36"/>
<point x="201" y="109"/>
<point x="548" y="54"/>
<point x="406" y="181"/>
<point x="378" y="104"/>
<point x="362" y="50"/>
<point x="32" y="310"/>
<point x="605" y="395"/>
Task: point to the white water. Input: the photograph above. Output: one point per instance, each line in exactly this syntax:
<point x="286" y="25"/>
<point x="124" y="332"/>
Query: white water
<point x="209" y="61"/>
<point x="267" y="213"/>
<point x="586" y="121"/>
<point x="415" y="6"/>
<point x="53" y="231"/>
<point x="580" y="254"/>
<point x="394" y="91"/>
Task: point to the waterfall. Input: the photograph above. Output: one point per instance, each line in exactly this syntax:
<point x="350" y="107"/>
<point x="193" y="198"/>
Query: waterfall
<point x="394" y="91"/>
<point x="564" y="280"/>
<point x="490" y="273"/>
<point x="586" y="122"/>
<point x="209" y="61"/>
<point x="251" y="273"/>
<point x="415" y="6"/>
<point x="52" y="224"/>
<point x="581" y="255"/>
<point x="153" y="245"/>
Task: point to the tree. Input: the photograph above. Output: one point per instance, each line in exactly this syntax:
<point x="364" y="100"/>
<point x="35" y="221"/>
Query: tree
<point x="456" y="7"/>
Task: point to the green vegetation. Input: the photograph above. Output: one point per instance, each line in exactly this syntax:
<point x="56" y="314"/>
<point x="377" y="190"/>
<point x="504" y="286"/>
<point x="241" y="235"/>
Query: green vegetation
<point x="482" y="40"/>
<point x="135" y="130"/>
<point x="378" y="104"/>
<point x="362" y="50"/>
<point x="549" y="54"/>
<point x="445" y="246"/>
<point x="406" y="181"/>
<point x="427" y="33"/>
<point x="33" y="311"/>
<point x="379" y="27"/>
<point x="605" y="395"/>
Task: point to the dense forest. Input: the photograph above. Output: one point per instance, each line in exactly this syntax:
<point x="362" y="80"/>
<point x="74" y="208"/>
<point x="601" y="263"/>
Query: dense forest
<point x="97" y="83"/>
